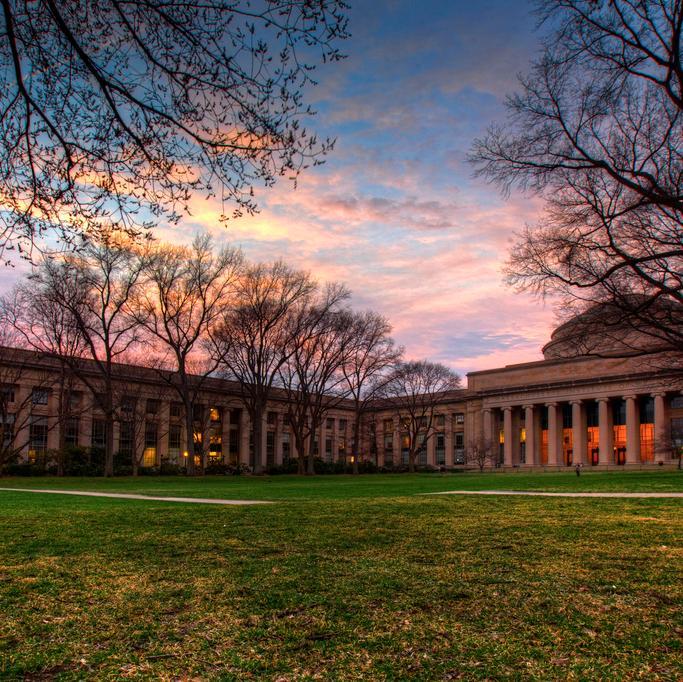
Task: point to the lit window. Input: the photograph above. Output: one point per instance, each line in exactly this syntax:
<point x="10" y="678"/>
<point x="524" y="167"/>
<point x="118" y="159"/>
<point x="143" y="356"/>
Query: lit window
<point x="459" y="417"/>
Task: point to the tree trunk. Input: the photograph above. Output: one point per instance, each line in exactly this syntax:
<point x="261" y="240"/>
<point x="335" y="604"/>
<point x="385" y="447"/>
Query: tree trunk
<point x="356" y="442"/>
<point x="109" y="444"/>
<point x="189" y="437"/>
<point x="257" y="430"/>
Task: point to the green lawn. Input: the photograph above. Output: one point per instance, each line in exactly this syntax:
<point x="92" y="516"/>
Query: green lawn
<point x="371" y="485"/>
<point x="345" y="579"/>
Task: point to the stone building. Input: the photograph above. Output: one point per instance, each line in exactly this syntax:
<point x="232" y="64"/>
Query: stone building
<point x="566" y="409"/>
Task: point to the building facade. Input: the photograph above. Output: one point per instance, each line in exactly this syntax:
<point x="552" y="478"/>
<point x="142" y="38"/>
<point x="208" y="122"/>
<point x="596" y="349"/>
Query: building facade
<point x="565" y="410"/>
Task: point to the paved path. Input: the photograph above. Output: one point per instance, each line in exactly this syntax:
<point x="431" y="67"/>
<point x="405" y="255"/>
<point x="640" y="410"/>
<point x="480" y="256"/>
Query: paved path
<point x="133" y="496"/>
<point x="540" y="493"/>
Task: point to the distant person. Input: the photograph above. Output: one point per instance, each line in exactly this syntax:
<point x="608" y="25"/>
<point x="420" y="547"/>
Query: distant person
<point x="577" y="468"/>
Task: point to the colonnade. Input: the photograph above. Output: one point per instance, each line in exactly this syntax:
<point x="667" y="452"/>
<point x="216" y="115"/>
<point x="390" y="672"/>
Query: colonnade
<point x="527" y="435"/>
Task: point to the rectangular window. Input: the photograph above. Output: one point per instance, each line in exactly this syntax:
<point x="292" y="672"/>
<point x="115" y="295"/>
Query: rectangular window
<point x="388" y="425"/>
<point x="7" y="429"/>
<point x="421" y="449"/>
<point x="328" y="449"/>
<point x="286" y="447"/>
<point x="174" y="437"/>
<point x="7" y="394"/>
<point x="39" y="396"/>
<point x="128" y="405"/>
<point x="342" y="425"/>
<point x="215" y="415"/>
<point x="329" y="424"/>
<point x="342" y="447"/>
<point x="270" y="448"/>
<point x="99" y="434"/>
<point x="126" y="433"/>
<point x="149" y="456"/>
<point x="71" y="428"/>
<point x="198" y="412"/>
<point x="459" y="417"/>
<point x="74" y="401"/>
<point x="176" y="409"/>
<point x="37" y="437"/>
<point x="152" y="406"/>
<point x="405" y="448"/>
<point x="440" y="449"/>
<point x="271" y="418"/>
<point x="440" y="420"/>
<point x="216" y="440"/>
<point x="459" y="448"/>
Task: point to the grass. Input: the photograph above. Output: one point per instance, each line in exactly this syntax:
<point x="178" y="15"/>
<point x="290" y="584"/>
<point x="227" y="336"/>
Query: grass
<point x="367" y="486"/>
<point x="346" y="579"/>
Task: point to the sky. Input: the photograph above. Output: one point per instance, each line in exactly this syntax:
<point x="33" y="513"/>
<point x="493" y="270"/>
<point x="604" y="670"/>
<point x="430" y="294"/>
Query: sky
<point x="395" y="211"/>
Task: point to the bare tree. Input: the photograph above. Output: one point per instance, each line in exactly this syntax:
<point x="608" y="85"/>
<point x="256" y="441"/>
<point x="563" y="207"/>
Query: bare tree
<point x="122" y="110"/>
<point x="372" y="352"/>
<point x="414" y="390"/>
<point x="255" y="336"/>
<point x="90" y="290"/>
<point x="480" y="452"/>
<point x="596" y="131"/>
<point x="183" y="294"/>
<point x="312" y="375"/>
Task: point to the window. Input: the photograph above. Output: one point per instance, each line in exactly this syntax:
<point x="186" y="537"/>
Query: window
<point x="149" y="455"/>
<point x="677" y="436"/>
<point x="152" y="406"/>
<point x="37" y="437"/>
<point x="71" y="429"/>
<point x="98" y="438"/>
<point x="328" y="449"/>
<point x="39" y="396"/>
<point x="342" y="425"/>
<point x="272" y="418"/>
<point x="421" y="449"/>
<point x="198" y="412"/>
<point x="329" y="424"/>
<point x="388" y="448"/>
<point x="405" y="448"/>
<point x="234" y="444"/>
<point x="440" y="449"/>
<point x="126" y="434"/>
<point x="270" y="448"/>
<point x="215" y="415"/>
<point x="7" y="394"/>
<point x="235" y="415"/>
<point x="342" y="447"/>
<point x="74" y="401"/>
<point x="459" y="417"/>
<point x="174" y="436"/>
<point x="388" y="425"/>
<point x="216" y="440"/>
<point x="176" y="409"/>
<point x="677" y="403"/>
<point x="459" y="448"/>
<point x="286" y="448"/>
<point x="440" y="420"/>
<point x="7" y="429"/>
<point x="128" y="405"/>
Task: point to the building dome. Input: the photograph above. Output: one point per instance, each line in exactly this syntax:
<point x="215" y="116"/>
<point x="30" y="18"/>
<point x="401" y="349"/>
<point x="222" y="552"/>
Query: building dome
<point x="606" y="330"/>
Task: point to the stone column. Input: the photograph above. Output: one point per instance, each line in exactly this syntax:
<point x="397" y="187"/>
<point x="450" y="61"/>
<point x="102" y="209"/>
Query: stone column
<point x="632" y="430"/>
<point x="449" y="444"/>
<point x="488" y="428"/>
<point x="554" y="430"/>
<point x="225" y="434"/>
<point x="431" y="448"/>
<point x="530" y="428"/>
<point x="579" y="432"/>
<point x="662" y="429"/>
<point x="507" y="431"/>
<point x="605" y="425"/>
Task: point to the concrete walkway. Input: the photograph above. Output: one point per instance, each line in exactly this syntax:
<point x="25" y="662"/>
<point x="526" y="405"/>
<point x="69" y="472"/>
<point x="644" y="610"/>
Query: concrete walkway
<point x="133" y="496"/>
<point x="539" y="493"/>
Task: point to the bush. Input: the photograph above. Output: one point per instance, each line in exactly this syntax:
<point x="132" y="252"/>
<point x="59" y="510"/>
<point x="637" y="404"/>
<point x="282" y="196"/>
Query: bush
<point x="222" y="469"/>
